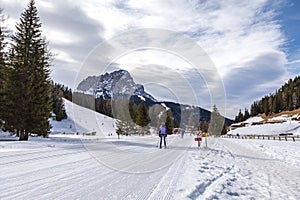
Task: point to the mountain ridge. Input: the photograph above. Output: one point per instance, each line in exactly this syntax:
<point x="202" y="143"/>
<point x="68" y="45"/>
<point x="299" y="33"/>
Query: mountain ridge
<point x="120" y="85"/>
<point x="115" y="83"/>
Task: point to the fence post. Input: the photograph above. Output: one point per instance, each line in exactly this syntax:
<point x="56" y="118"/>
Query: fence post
<point x="293" y="139"/>
<point x="285" y="138"/>
<point x="279" y="138"/>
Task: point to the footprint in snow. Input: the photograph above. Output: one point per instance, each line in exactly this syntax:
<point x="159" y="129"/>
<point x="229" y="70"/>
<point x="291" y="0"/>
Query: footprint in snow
<point x="204" y="167"/>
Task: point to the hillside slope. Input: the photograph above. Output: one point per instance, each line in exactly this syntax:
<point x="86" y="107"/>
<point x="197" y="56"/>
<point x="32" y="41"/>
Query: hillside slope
<point x="83" y="120"/>
<point x="286" y="122"/>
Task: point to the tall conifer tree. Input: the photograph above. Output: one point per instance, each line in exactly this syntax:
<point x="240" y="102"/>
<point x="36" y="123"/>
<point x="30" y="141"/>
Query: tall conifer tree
<point x="3" y="32"/>
<point x="216" y="123"/>
<point x="142" y="118"/>
<point x="3" y="66"/>
<point x="30" y="89"/>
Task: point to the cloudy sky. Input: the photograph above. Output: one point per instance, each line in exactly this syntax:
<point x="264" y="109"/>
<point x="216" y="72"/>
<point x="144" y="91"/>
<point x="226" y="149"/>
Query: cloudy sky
<point x="250" y="47"/>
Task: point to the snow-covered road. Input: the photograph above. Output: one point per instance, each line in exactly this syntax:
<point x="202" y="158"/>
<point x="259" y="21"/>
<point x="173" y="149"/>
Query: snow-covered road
<point x="133" y="168"/>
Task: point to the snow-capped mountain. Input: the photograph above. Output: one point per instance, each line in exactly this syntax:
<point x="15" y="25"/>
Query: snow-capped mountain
<point x="120" y="85"/>
<point x="112" y="85"/>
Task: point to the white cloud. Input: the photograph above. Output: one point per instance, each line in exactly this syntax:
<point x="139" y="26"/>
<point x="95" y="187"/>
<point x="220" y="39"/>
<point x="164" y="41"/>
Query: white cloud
<point x="63" y="56"/>
<point x="45" y="4"/>
<point x="153" y="57"/>
<point x="233" y="33"/>
<point x="61" y="37"/>
<point x="241" y="37"/>
<point x="293" y="62"/>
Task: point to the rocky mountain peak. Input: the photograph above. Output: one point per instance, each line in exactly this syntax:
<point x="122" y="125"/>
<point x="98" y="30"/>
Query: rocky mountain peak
<point x="110" y="85"/>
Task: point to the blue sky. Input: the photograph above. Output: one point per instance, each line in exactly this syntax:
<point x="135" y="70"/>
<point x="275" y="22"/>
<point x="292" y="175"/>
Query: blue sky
<point x="290" y="20"/>
<point x="254" y="45"/>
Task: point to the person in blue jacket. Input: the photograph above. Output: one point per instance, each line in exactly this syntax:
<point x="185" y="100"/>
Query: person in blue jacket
<point x="182" y="133"/>
<point x="162" y="134"/>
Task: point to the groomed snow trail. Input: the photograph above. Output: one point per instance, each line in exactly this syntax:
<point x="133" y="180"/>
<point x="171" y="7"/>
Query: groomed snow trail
<point x="133" y="168"/>
<point x="65" y="169"/>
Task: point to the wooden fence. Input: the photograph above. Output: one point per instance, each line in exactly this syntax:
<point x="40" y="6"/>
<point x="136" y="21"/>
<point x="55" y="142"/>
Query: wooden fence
<point x="266" y="137"/>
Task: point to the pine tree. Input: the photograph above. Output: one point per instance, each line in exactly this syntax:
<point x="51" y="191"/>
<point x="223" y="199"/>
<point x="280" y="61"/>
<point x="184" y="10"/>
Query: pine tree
<point x="120" y="128"/>
<point x="3" y="67"/>
<point x="286" y="98"/>
<point x="2" y="50"/>
<point x="239" y="117"/>
<point x="29" y="83"/>
<point x="142" y="118"/>
<point x="246" y="114"/>
<point x="216" y="122"/>
<point x="58" y="107"/>
<point x="170" y="122"/>
<point x="132" y="111"/>
<point x="203" y="126"/>
<point x="224" y="130"/>
<point x="58" y="93"/>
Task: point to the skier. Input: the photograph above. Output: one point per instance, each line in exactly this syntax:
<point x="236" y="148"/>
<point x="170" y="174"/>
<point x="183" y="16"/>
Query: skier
<point x="162" y="134"/>
<point x="182" y="133"/>
<point x="199" y="135"/>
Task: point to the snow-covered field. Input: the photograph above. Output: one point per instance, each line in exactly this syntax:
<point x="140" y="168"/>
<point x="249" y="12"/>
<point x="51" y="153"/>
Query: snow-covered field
<point x="285" y="125"/>
<point x="68" y="166"/>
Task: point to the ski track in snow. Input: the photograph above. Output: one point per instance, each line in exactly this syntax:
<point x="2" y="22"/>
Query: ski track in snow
<point x="53" y="169"/>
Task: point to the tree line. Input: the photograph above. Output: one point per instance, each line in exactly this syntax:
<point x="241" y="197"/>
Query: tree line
<point x="136" y="117"/>
<point x="287" y="98"/>
<point x="132" y="117"/>
<point x="27" y="93"/>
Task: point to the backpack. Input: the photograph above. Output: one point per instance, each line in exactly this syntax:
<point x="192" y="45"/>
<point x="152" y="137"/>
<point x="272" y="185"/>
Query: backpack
<point x="163" y="130"/>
